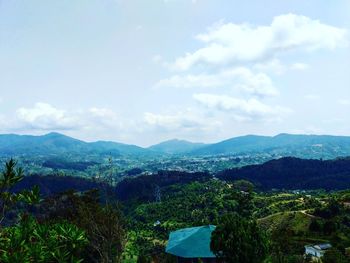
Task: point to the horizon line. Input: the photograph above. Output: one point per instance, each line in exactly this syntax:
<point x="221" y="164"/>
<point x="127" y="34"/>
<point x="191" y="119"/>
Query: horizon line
<point x="174" y="139"/>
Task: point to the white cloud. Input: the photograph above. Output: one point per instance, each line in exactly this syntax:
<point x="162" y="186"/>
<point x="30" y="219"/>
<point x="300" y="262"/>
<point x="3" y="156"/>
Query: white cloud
<point x="43" y="116"/>
<point x="231" y="43"/>
<point x="104" y="118"/>
<point x="240" y="79"/>
<point x="184" y="121"/>
<point x="299" y="66"/>
<point x="250" y="109"/>
<point x="170" y="122"/>
<point x="103" y="113"/>
<point x="274" y="66"/>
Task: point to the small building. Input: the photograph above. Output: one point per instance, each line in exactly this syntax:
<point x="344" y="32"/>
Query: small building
<point x="190" y="245"/>
<point x="317" y="251"/>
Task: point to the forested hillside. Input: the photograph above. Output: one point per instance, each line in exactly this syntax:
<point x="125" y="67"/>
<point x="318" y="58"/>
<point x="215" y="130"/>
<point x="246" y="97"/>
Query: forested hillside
<point x="302" y="146"/>
<point x="294" y="173"/>
<point x="131" y="221"/>
<point x="59" y="144"/>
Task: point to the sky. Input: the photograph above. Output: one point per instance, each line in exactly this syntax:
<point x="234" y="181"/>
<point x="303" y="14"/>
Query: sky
<point x="145" y="71"/>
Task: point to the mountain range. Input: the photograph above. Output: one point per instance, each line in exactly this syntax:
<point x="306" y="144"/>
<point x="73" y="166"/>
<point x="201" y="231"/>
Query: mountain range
<point x="56" y="144"/>
<point x="305" y="146"/>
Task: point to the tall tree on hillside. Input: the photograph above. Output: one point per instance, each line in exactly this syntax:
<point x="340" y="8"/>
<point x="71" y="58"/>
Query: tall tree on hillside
<point x="238" y="240"/>
<point x="103" y="224"/>
<point x="9" y="177"/>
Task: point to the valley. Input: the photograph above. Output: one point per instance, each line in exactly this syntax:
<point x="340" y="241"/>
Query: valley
<point x="294" y="201"/>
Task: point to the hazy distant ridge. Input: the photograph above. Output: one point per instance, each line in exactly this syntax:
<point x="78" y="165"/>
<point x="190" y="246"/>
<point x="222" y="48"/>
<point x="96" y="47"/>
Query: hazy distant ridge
<point x="294" y="145"/>
<point x="56" y="143"/>
<point x="176" y="146"/>
<point x="310" y="146"/>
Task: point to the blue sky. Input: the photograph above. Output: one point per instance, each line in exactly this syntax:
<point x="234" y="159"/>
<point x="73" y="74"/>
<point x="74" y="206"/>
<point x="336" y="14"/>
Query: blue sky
<point x="143" y="71"/>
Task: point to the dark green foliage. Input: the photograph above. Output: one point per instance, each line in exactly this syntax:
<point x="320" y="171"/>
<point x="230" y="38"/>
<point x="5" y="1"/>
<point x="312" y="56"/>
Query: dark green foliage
<point x="68" y="227"/>
<point x="315" y="226"/>
<point x="238" y="240"/>
<point x="283" y="247"/>
<point x="52" y="184"/>
<point x="333" y="255"/>
<point x="142" y="188"/>
<point x="104" y="225"/>
<point x="30" y="241"/>
<point x="9" y="177"/>
<point x="294" y="173"/>
<point x="292" y="219"/>
<point x="332" y="209"/>
<point x="134" y="171"/>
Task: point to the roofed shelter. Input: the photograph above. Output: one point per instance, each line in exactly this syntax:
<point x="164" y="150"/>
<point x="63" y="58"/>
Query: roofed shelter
<point x="191" y="244"/>
<point x="317" y="251"/>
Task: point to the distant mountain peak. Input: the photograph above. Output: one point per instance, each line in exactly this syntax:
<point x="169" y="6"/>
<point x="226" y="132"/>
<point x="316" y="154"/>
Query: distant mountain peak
<point x="54" y="134"/>
<point x="176" y="146"/>
<point x="176" y="140"/>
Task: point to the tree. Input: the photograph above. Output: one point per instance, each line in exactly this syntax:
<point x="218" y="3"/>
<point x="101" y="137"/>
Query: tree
<point x="103" y="225"/>
<point x="333" y="255"/>
<point x="237" y="240"/>
<point x="30" y="241"/>
<point x="315" y="226"/>
<point x="9" y="177"/>
<point x="97" y="213"/>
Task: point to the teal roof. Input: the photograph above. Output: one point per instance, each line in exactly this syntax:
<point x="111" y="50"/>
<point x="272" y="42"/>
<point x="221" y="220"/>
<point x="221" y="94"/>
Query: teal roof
<point x="191" y="242"/>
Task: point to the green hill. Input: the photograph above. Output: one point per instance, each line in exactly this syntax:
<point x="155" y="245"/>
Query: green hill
<point x="59" y="144"/>
<point x="176" y="146"/>
<point x="303" y="146"/>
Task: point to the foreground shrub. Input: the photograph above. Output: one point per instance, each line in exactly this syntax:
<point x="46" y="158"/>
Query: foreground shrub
<point x="30" y="241"/>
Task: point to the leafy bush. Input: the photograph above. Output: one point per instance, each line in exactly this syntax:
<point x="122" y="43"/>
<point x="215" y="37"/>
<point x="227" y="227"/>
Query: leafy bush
<point x="30" y="241"/>
<point x="239" y="240"/>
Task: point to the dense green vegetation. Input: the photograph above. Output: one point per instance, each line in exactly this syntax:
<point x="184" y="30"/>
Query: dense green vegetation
<point x="288" y="218"/>
<point x="294" y="173"/>
<point x="30" y="241"/>
<point x="68" y="227"/>
<point x="131" y="221"/>
<point x="252" y="246"/>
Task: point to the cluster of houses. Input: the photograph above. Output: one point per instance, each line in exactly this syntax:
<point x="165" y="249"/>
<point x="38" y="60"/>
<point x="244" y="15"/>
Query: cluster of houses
<point x="192" y="245"/>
